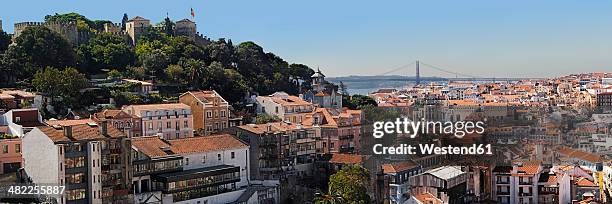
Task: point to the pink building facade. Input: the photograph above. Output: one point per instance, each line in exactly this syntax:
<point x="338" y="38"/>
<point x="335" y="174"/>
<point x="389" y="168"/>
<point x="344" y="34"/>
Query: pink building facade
<point x="10" y="155"/>
<point x="171" y="121"/>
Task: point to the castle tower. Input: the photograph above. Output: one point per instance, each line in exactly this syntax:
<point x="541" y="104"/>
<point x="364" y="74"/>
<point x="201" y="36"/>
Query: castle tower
<point x="185" y="27"/>
<point x="136" y="27"/>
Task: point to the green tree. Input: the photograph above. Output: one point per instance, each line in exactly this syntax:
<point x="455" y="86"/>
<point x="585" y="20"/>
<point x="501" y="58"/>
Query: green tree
<point x="225" y="81"/>
<point x="328" y="199"/>
<point x="168" y="26"/>
<point x="136" y="72"/>
<point x="114" y="74"/>
<point x="64" y="84"/>
<point x="124" y="20"/>
<point x="38" y="47"/>
<point x="351" y="183"/>
<point x="357" y="101"/>
<point x="5" y="41"/>
<point x="155" y="62"/>
<point x="264" y="118"/>
<point x="175" y="73"/>
<point x="182" y="47"/>
<point x="104" y="51"/>
<point x="221" y="51"/>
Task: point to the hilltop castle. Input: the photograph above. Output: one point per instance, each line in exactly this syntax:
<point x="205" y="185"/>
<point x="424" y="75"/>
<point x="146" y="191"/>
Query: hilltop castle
<point x="134" y="28"/>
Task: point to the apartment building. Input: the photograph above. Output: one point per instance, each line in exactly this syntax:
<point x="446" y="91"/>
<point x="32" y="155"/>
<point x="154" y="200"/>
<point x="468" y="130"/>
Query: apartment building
<point x="397" y="190"/>
<point x="604" y="100"/>
<point x="548" y="188"/>
<point x="286" y="107"/>
<point x="129" y="124"/>
<point x="501" y="184"/>
<point x="210" y="111"/>
<point x="340" y="129"/>
<point x="171" y="120"/>
<point x="448" y="183"/>
<point x="279" y="146"/>
<point x="519" y="183"/>
<point x="210" y="169"/>
<point x="92" y="160"/>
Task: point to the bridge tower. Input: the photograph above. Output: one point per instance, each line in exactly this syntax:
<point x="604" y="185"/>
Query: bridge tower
<point x="418" y="75"/>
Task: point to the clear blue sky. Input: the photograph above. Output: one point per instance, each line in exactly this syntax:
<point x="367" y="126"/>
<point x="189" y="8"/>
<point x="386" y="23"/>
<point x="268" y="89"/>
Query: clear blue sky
<point x="352" y="37"/>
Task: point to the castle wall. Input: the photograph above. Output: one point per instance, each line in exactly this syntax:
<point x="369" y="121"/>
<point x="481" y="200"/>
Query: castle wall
<point x="67" y="30"/>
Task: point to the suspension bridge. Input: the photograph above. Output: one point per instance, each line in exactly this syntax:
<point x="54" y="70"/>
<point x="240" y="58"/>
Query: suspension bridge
<point x="441" y="74"/>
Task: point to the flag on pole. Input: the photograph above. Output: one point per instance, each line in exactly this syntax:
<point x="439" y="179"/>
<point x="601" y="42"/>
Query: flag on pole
<point x="192" y="13"/>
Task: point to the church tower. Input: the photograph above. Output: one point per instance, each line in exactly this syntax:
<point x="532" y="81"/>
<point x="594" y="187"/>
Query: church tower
<point x="318" y="81"/>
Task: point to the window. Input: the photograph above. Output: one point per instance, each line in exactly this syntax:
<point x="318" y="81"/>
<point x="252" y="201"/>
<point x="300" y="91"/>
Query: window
<point x="186" y="161"/>
<point x="75" y="194"/>
<point x="168" y="125"/>
<point x="4" y="149"/>
<point x="75" y="162"/>
<point x="17" y="148"/>
<point x="150" y="126"/>
<point x="208" y="114"/>
<point x="204" y="159"/>
<point x="76" y="178"/>
<point x="223" y="113"/>
<point x="219" y="157"/>
<point x="17" y="119"/>
<point x="185" y="124"/>
<point x="233" y="155"/>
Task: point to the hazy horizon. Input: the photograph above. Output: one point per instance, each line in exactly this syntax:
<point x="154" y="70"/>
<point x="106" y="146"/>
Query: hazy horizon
<point x="483" y="38"/>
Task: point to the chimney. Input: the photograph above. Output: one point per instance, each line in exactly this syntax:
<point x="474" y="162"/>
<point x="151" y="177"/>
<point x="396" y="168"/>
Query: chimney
<point x="67" y="131"/>
<point x="104" y="127"/>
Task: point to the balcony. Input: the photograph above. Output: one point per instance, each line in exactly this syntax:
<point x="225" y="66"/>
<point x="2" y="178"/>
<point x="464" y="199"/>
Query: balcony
<point x="502" y="182"/>
<point x="502" y="193"/>
<point x="346" y="137"/>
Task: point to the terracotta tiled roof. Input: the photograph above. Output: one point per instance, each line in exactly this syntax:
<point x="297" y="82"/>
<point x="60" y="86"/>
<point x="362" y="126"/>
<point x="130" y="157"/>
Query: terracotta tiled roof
<point x="584" y="182"/>
<point x="428" y="198"/>
<point x="528" y="167"/>
<point x="151" y="146"/>
<point x="346" y="159"/>
<point x="290" y="101"/>
<point x="578" y="154"/>
<point x="206" y="144"/>
<point x="273" y="127"/>
<point x="69" y="122"/>
<point x="206" y="96"/>
<point x="79" y="132"/>
<point x="398" y="166"/>
<point x="112" y="114"/>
